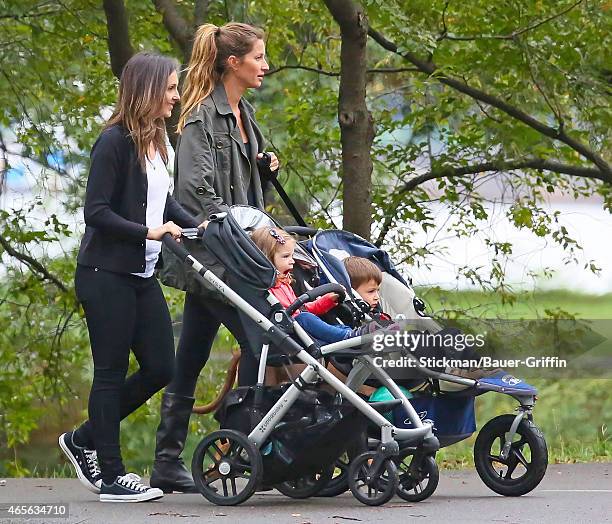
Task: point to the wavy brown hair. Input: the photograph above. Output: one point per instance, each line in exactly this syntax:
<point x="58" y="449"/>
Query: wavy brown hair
<point x="212" y="46"/>
<point x="142" y="91"/>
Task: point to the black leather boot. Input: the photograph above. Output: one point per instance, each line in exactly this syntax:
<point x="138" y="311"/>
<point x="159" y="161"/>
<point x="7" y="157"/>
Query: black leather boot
<point x="169" y="472"/>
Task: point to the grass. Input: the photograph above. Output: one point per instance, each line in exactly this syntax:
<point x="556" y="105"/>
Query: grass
<point x="528" y="305"/>
<point x="575" y="415"/>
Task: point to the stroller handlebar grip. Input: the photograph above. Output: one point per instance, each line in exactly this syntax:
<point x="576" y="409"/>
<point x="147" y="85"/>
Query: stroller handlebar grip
<point x="263" y="163"/>
<point x="313" y="294"/>
<point x="301" y="230"/>
<point x="193" y="232"/>
<point x="176" y="247"/>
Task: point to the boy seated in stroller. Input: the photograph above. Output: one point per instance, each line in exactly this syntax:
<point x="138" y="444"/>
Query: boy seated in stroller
<point x="366" y="279"/>
<point x="279" y="246"/>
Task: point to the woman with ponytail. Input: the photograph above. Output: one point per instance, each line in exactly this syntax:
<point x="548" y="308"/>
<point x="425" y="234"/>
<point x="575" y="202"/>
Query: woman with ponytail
<point x="215" y="167"/>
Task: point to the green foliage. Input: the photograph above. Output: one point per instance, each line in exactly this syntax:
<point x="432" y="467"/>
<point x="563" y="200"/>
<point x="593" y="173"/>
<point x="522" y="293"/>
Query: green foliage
<point x="542" y="57"/>
<point x="574" y="415"/>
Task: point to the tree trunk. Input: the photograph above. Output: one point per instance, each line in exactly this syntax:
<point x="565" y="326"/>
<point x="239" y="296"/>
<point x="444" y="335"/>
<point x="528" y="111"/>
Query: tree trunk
<point x="356" y="123"/>
<point x="119" y="44"/>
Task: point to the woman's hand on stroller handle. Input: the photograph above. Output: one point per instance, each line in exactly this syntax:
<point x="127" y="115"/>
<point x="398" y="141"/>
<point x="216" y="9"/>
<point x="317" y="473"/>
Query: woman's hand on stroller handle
<point x="169" y="228"/>
<point x="268" y="162"/>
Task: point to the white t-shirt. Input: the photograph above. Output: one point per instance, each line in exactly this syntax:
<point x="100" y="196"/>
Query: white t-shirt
<point x="158" y="183"/>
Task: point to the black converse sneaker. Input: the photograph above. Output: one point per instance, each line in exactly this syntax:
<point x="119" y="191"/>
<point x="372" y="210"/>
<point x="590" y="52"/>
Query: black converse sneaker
<point x="85" y="462"/>
<point x="128" y="488"/>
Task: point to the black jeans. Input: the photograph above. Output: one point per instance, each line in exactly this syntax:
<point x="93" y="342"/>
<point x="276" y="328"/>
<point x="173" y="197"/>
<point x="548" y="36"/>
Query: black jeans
<point x="123" y="312"/>
<point x="202" y="317"/>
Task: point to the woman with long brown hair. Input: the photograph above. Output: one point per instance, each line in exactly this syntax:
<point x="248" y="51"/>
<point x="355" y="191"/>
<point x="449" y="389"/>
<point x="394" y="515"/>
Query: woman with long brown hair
<point x="127" y="211"/>
<point x="215" y="167"/>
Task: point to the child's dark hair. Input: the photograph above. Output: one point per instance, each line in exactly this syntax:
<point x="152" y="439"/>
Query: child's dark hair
<point x="361" y="270"/>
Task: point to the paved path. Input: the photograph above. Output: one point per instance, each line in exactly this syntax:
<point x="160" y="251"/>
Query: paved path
<point x="576" y="493"/>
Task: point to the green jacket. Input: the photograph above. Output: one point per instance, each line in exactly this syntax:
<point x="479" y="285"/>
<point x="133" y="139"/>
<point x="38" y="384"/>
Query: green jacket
<point x="212" y="171"/>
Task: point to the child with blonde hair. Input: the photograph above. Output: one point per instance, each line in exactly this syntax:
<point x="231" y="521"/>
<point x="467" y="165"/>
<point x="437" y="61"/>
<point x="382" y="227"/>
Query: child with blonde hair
<point x="279" y="246"/>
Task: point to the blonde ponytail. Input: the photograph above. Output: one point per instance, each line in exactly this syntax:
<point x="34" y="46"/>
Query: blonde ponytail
<point x="200" y="76"/>
<point x="212" y="46"/>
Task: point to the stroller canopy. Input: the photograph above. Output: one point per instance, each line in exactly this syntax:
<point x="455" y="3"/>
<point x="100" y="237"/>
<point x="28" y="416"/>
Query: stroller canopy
<point x="226" y="239"/>
<point x="250" y="218"/>
<point x="333" y="246"/>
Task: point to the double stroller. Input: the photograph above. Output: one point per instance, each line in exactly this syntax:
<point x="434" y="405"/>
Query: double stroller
<point x="317" y="435"/>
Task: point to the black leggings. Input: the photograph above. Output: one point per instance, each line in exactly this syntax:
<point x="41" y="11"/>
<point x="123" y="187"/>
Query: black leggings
<point x="123" y="312"/>
<point x="202" y="317"/>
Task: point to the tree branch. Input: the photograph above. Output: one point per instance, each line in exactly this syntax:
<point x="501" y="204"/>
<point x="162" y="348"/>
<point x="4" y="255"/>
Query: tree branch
<point x="500" y="165"/>
<point x="302" y="68"/>
<point x="380" y="70"/>
<point x="200" y="12"/>
<point x="33" y="264"/>
<point x="30" y="15"/>
<point x="177" y="26"/>
<point x="432" y="69"/>
<point x="119" y="44"/>
<point x="514" y="34"/>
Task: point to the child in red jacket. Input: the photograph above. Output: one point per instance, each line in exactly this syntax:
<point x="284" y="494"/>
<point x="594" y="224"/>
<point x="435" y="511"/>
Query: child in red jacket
<point x="278" y="246"/>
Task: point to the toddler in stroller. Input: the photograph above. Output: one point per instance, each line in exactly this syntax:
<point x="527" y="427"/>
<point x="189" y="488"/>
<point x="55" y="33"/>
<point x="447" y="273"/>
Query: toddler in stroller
<point x="510" y="451"/>
<point x="279" y="248"/>
<point x="290" y="436"/>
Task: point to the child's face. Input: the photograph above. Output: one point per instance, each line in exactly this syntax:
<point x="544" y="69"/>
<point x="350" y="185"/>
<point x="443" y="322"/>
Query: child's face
<point x="369" y="292"/>
<point x="283" y="258"/>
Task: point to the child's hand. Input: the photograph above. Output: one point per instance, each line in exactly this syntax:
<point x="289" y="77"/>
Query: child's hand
<point x="333" y="296"/>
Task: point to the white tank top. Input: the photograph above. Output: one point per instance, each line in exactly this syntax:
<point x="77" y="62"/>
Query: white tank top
<point x="158" y="183"/>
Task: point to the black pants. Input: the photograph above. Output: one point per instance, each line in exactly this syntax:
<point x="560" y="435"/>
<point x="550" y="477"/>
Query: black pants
<point x="123" y="312"/>
<point x="202" y="317"/>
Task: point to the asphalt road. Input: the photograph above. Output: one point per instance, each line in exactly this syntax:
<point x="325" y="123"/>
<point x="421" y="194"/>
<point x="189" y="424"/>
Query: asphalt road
<point x="576" y="493"/>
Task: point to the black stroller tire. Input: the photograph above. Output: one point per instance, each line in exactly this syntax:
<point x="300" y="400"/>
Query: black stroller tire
<point x="487" y="450"/>
<point x="423" y="486"/>
<point x="338" y="484"/>
<point x="306" y="486"/>
<point x="384" y="486"/>
<point x="221" y="458"/>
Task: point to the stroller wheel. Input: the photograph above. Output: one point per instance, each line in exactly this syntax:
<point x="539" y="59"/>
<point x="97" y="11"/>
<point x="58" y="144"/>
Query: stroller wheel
<point x="370" y="489"/>
<point x="419" y="485"/>
<point x="226" y="467"/>
<point x="339" y="480"/>
<point x="306" y="486"/>
<point x="526" y="463"/>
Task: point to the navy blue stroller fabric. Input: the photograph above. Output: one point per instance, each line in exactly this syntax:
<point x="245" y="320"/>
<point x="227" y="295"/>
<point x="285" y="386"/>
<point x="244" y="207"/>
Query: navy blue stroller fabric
<point x="453" y="416"/>
<point x="326" y="241"/>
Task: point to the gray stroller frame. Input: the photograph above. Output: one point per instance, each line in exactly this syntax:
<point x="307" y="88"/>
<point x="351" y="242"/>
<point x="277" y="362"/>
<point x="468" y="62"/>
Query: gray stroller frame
<point x="377" y="465"/>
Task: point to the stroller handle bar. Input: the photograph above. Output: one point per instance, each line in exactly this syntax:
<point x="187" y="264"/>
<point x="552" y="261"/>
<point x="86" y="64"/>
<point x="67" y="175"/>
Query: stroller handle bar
<point x="301" y="230"/>
<point x="176" y="247"/>
<point x="192" y="232"/>
<point x="313" y="294"/>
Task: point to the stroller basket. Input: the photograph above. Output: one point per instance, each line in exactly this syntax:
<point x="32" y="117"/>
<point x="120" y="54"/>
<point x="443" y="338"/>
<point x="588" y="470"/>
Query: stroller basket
<point x="314" y="432"/>
<point x="453" y="416"/>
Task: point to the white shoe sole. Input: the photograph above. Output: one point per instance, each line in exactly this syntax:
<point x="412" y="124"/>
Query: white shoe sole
<point x="91" y="487"/>
<point x="152" y="494"/>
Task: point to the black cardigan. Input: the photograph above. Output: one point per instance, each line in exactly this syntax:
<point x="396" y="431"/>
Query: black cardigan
<point x="116" y="206"/>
